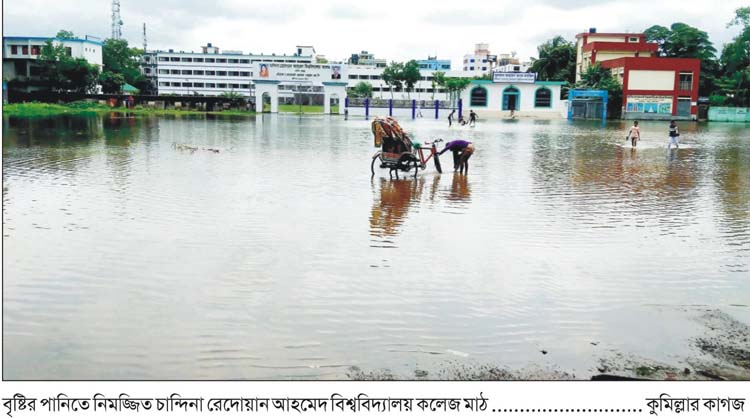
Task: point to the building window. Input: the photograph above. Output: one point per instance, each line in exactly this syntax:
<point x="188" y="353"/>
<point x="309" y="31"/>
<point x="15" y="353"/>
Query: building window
<point x="147" y="70"/>
<point x="233" y="61"/>
<point x="210" y="72"/>
<point x="211" y="85"/>
<point x="244" y="86"/>
<point x="174" y="59"/>
<point x="14" y="49"/>
<point x="686" y="81"/>
<point x="197" y="72"/>
<point x="221" y="85"/>
<point x="186" y="59"/>
<point x="35" y="49"/>
<point x="187" y="72"/>
<point x="221" y="73"/>
<point x="484" y="68"/>
<point x="363" y="77"/>
<point x="197" y="59"/>
<point x="244" y="74"/>
<point x="199" y="85"/>
<point x="471" y="68"/>
<point x="543" y="97"/>
<point x="163" y="59"/>
<point x="163" y="71"/>
<point x="234" y="73"/>
<point x="352" y="77"/>
<point x="244" y="61"/>
<point x="632" y="39"/>
<point x="221" y="60"/>
<point x="68" y="51"/>
<point x="478" y="96"/>
<point x="25" y="50"/>
<point x="210" y="60"/>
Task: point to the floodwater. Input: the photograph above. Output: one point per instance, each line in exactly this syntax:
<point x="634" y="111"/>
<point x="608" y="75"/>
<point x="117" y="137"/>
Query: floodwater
<point x="279" y="257"/>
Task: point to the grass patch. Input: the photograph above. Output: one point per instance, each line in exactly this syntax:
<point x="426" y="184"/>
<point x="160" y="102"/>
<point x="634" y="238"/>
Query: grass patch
<point x="36" y="109"/>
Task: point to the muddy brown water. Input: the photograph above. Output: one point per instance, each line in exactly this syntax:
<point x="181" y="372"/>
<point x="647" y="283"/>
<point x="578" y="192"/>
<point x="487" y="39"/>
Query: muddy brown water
<point x="279" y="257"/>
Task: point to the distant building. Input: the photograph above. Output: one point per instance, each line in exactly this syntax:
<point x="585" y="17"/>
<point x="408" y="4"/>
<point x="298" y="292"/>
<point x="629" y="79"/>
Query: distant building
<point x="593" y="47"/>
<point x="21" y="52"/>
<point x="653" y="87"/>
<point x="481" y="62"/>
<point x="366" y="58"/>
<point x="432" y="63"/>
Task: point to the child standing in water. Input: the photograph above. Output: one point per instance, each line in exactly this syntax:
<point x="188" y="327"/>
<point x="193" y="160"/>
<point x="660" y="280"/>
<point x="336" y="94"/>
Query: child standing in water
<point x="635" y="134"/>
<point x="674" y="135"/>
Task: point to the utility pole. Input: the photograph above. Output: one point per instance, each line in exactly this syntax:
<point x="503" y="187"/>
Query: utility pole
<point x="116" y="20"/>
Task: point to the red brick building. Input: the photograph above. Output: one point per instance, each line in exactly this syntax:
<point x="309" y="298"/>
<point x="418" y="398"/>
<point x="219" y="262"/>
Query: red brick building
<point x="653" y="87"/>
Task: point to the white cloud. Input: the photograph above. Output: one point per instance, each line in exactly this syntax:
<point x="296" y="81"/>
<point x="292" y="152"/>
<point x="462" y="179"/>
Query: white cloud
<point x="392" y="29"/>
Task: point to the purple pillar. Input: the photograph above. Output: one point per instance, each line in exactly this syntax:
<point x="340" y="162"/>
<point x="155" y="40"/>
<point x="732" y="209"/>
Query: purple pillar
<point x="460" y="108"/>
<point x="413" y="109"/>
<point x="367" y="108"/>
<point x="346" y="102"/>
<point x="390" y="107"/>
<point x="437" y="106"/>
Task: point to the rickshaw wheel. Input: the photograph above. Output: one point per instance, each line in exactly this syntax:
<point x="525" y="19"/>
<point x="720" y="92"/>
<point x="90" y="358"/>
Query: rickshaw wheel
<point x="407" y="162"/>
<point x="437" y="164"/>
<point x="372" y="165"/>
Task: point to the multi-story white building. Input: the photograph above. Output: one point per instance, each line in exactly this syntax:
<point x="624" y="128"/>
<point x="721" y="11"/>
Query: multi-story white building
<point x="212" y="72"/>
<point x="21" y="52"/>
<point x="481" y="62"/>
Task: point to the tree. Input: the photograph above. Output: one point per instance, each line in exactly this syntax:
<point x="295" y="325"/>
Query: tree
<point x="362" y="89"/>
<point x="65" y="34"/>
<point x="410" y="75"/>
<point x="111" y="82"/>
<point x="455" y="85"/>
<point x="392" y="76"/>
<point x="557" y="60"/>
<point x="597" y="77"/>
<point x="734" y="83"/>
<point x="118" y="58"/>
<point x="438" y="79"/>
<point x="684" y="41"/>
<point x="61" y="72"/>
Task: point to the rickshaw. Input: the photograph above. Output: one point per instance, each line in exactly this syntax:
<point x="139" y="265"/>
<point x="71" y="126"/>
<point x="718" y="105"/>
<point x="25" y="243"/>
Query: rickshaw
<point x="397" y="151"/>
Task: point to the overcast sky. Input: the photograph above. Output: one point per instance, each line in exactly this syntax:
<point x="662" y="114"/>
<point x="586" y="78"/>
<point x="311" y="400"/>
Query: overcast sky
<point x="395" y="30"/>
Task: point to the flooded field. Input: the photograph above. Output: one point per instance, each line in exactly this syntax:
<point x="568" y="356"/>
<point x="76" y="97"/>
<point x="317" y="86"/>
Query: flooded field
<point x="218" y="248"/>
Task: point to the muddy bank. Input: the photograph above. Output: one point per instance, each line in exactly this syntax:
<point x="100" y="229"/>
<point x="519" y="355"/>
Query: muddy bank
<point x="721" y="352"/>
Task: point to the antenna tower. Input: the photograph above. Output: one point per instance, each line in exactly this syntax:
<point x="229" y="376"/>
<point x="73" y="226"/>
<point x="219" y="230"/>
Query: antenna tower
<point x="116" y="20"/>
<point x="145" y="42"/>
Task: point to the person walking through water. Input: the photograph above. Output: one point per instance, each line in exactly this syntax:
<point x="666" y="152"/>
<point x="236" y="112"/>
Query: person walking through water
<point x="450" y="118"/>
<point x="674" y="135"/>
<point x="462" y="151"/>
<point x="634" y="134"/>
<point x="472" y="118"/>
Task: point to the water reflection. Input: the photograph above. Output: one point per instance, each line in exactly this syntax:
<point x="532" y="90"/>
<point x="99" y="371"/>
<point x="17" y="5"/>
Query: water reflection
<point x="460" y="189"/>
<point x="106" y="224"/>
<point x="390" y="208"/>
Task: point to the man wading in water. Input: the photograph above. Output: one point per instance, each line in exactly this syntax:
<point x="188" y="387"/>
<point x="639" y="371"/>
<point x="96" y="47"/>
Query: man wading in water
<point x="635" y="134"/>
<point x="462" y="151"/>
<point x="450" y="118"/>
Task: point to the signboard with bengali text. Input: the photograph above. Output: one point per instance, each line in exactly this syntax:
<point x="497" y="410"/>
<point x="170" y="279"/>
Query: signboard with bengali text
<point x="649" y="104"/>
<point x="500" y="77"/>
<point x="312" y="73"/>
